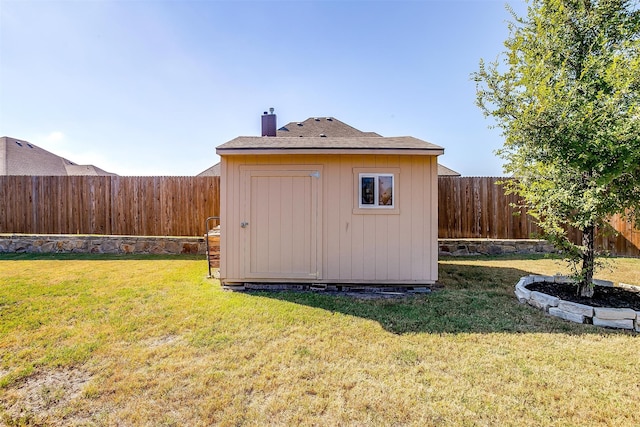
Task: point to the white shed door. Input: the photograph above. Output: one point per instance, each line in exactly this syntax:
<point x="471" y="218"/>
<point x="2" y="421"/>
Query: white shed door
<point x="281" y="226"/>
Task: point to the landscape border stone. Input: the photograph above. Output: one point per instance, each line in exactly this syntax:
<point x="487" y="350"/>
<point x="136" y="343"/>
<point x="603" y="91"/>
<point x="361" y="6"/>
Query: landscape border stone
<point x="608" y="317"/>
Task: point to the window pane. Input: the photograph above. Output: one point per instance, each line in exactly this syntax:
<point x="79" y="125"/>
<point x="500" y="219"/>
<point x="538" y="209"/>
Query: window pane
<point x="385" y="191"/>
<point x="367" y="190"/>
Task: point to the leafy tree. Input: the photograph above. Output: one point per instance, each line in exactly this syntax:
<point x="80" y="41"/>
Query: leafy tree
<point x="566" y="94"/>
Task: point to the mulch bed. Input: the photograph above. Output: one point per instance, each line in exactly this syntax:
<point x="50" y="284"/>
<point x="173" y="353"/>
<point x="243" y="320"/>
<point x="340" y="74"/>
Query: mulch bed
<point x="604" y="296"/>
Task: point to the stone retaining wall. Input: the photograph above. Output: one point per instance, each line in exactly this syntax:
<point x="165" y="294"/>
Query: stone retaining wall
<point x="610" y="317"/>
<point x="99" y="244"/>
<point x="466" y="247"/>
<point x="69" y="243"/>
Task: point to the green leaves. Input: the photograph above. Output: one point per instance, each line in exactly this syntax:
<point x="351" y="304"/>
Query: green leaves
<point x="566" y="94"/>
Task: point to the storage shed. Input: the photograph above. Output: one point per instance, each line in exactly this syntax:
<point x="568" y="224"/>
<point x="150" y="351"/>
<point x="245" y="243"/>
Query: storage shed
<point x="322" y="210"/>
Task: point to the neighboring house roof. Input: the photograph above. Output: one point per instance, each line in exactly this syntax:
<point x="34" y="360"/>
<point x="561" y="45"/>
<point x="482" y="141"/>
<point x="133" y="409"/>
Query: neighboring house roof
<point x="212" y="171"/>
<point x="19" y="157"/>
<point x="445" y="171"/>
<point x="243" y="144"/>
<point x="318" y="126"/>
<point x="86" y="170"/>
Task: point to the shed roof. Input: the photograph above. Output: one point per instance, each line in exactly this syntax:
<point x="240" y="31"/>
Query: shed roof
<point x="344" y="145"/>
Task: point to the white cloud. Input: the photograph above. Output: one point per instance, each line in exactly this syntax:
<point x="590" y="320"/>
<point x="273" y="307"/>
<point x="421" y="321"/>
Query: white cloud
<point x="54" y="137"/>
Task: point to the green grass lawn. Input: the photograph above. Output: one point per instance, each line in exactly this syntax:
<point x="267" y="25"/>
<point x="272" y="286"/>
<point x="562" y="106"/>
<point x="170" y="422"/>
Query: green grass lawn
<point x="143" y="340"/>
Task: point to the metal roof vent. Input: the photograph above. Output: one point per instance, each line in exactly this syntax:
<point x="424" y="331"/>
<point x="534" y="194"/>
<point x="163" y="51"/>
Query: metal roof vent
<point x="317" y="119"/>
<point x="19" y="143"/>
<point x="329" y="119"/>
<point x="299" y="124"/>
<point x="322" y="135"/>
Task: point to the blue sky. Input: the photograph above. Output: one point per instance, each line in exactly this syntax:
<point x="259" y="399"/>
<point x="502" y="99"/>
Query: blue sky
<point x="151" y="87"/>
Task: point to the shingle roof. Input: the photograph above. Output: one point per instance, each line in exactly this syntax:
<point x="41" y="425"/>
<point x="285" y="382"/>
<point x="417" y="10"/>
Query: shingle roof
<point x="257" y="143"/>
<point x="19" y="157"/>
<point x="311" y="129"/>
<point x="212" y="171"/>
<point x="86" y="170"/>
<point x="445" y="171"/>
<point x="315" y="126"/>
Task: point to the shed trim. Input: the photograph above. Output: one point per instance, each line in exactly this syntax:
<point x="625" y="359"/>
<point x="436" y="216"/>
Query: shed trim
<point x="358" y="151"/>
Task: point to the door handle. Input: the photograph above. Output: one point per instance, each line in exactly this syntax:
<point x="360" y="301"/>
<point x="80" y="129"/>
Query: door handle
<point x="244" y="224"/>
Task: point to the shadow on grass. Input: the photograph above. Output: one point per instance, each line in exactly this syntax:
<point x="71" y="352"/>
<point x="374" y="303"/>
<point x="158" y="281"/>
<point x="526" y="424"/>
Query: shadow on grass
<point x="96" y="257"/>
<point x="472" y="299"/>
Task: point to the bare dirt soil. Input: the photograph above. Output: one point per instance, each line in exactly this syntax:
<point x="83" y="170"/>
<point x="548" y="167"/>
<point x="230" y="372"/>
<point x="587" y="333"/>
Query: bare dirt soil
<point x="40" y="394"/>
<point x="603" y="296"/>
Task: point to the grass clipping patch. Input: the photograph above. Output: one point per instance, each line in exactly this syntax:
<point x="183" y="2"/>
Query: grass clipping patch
<point x="42" y="394"/>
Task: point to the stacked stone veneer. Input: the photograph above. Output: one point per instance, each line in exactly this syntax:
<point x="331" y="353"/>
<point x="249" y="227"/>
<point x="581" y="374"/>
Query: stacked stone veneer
<point x="622" y="318"/>
<point x="66" y="243"/>
<point x="465" y="247"/>
<point x="18" y="243"/>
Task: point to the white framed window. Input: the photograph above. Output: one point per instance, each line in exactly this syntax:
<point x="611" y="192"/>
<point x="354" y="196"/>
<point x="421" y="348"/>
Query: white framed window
<point x="376" y="191"/>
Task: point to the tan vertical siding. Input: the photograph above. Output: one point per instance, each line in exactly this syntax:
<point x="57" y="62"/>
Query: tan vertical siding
<point x="433" y="226"/>
<point x="332" y="213"/>
<point x="225" y="203"/>
<point x="345" y="222"/>
<point x="355" y="247"/>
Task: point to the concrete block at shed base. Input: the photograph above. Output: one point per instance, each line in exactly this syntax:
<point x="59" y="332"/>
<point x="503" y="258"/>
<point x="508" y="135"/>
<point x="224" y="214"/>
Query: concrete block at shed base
<point x="618" y="324"/>
<point x="575" y="308"/>
<point x="637" y="324"/>
<point x="543" y="301"/>
<point x="606" y="313"/>
<point x="566" y="315"/>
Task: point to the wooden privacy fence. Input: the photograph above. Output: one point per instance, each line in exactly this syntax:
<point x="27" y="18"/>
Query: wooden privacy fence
<point x="112" y="205"/>
<point x="178" y="206"/>
<point x="477" y="207"/>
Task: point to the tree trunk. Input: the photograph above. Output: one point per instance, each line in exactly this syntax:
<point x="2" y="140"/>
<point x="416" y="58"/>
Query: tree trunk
<point x="585" y="287"/>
